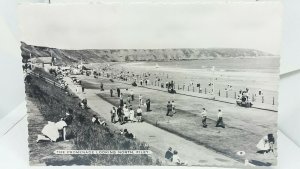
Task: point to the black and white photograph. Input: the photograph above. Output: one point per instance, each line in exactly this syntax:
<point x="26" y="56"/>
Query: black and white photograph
<point x="151" y="85"/>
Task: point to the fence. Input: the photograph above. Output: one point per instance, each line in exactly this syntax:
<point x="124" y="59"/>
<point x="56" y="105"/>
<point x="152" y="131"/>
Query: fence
<point x="47" y="80"/>
<point x="267" y="98"/>
<point x="232" y="94"/>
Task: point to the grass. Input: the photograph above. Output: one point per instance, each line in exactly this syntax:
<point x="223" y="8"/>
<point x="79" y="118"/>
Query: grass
<point x="52" y="103"/>
<point x="243" y="130"/>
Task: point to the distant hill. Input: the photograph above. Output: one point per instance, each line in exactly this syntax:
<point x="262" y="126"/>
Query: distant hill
<point x="120" y="55"/>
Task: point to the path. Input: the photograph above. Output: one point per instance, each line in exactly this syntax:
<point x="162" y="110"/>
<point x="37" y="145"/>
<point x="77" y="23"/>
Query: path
<point x="158" y="139"/>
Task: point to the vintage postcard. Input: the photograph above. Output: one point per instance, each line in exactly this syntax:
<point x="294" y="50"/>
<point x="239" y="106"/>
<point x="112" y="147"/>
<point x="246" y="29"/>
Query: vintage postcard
<point x="152" y="84"/>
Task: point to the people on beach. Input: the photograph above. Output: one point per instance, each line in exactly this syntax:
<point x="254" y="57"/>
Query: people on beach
<point x="204" y="116"/>
<point x="139" y="114"/>
<point x="134" y="84"/>
<point x="220" y="122"/>
<point x="260" y="93"/>
<point x="141" y="82"/>
<point x="239" y="96"/>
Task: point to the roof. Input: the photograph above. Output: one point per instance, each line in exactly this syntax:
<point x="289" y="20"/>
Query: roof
<point x="44" y="60"/>
<point x="65" y="68"/>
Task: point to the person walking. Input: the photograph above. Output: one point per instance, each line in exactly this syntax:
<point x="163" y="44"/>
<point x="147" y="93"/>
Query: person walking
<point x="220" y="122"/>
<point x="131" y="114"/>
<point x="139" y="114"/>
<point x="141" y="82"/>
<point x="121" y="100"/>
<point x="128" y="99"/>
<point x="120" y="114"/>
<point x="118" y="91"/>
<point x="169" y="109"/>
<point x="204" y="115"/>
<point x="101" y="86"/>
<point x="111" y="92"/>
<point x="113" y="113"/>
<point x="132" y="95"/>
<point x="126" y="113"/>
<point x="148" y="105"/>
<point x="173" y="107"/>
<point x="140" y="100"/>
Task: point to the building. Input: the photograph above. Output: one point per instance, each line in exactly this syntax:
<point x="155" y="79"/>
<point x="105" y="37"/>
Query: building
<point x="42" y="62"/>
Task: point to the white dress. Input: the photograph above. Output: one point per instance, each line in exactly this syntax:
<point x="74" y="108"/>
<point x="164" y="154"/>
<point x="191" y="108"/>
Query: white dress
<point x="263" y="144"/>
<point x="51" y="130"/>
<point x="176" y="159"/>
<point x="131" y="117"/>
<point x="126" y="112"/>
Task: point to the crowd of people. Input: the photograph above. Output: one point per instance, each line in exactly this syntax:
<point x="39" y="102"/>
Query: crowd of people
<point x="125" y="113"/>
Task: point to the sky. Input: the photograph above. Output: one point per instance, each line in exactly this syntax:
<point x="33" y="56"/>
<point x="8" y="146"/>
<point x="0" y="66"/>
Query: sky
<point x="152" y="26"/>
